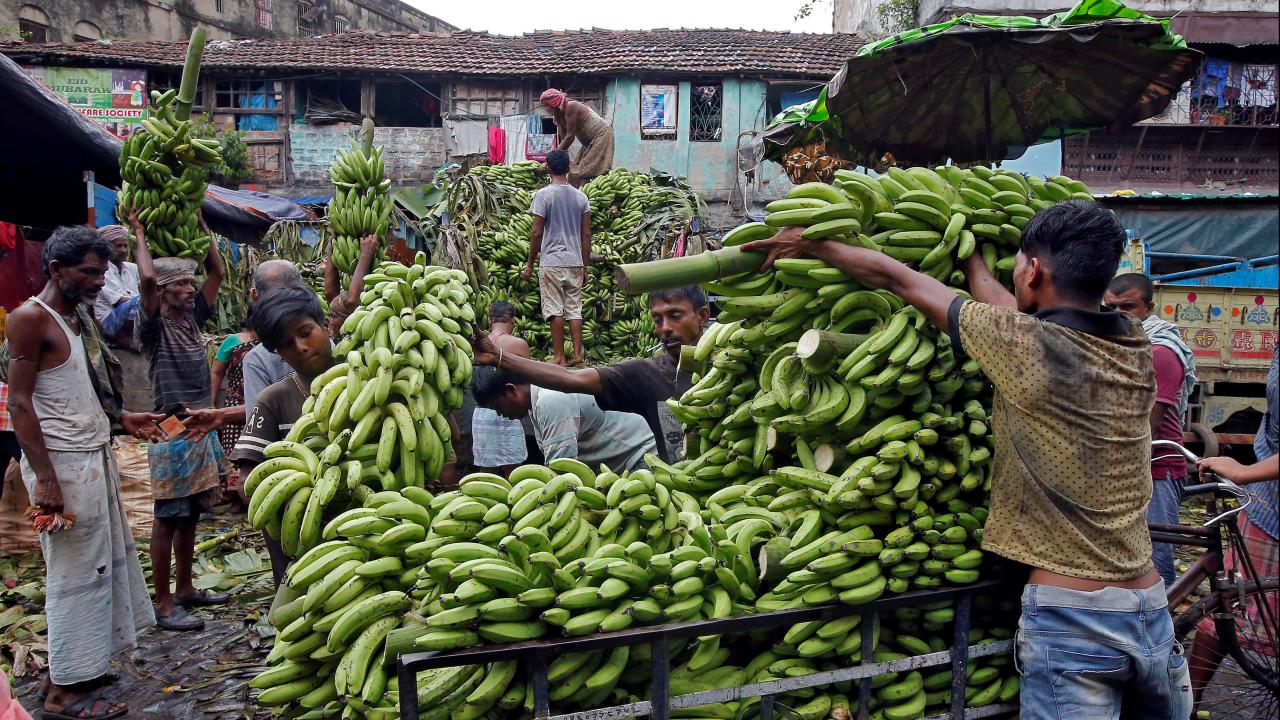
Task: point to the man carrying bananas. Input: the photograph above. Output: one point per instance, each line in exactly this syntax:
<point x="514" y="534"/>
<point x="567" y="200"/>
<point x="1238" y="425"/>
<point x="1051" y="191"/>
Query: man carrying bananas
<point x="185" y="470"/>
<point x="566" y="424"/>
<point x="642" y="385"/>
<point x="1072" y="478"/>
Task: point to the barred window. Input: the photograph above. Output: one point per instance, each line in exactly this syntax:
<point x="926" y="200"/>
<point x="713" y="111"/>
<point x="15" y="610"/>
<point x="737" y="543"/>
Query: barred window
<point x="706" y="105"/>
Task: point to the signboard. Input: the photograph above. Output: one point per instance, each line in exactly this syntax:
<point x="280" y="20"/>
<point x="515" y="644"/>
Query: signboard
<point x="114" y="97"/>
<point x="659" y="106"/>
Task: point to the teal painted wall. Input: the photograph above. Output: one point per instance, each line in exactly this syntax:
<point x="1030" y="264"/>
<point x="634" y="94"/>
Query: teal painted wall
<point x="710" y="166"/>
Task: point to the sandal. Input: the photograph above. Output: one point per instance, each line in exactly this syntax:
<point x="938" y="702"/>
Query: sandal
<point x="179" y="620"/>
<point x="106" y="678"/>
<point x="82" y="709"/>
<point x="203" y="599"/>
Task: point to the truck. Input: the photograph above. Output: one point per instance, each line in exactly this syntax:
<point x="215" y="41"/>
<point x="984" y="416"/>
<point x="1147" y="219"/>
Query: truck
<point x="1227" y="310"/>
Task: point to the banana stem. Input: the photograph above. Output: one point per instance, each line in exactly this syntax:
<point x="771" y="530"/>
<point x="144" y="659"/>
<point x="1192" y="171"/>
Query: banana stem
<point x="366" y="137"/>
<point x="190" y="74"/>
<point x="819" y="350"/>
<point x="670" y="273"/>
<point x="688" y="361"/>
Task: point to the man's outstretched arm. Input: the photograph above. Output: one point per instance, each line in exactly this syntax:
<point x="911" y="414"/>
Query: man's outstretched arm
<point x="546" y="375"/>
<point x="868" y="267"/>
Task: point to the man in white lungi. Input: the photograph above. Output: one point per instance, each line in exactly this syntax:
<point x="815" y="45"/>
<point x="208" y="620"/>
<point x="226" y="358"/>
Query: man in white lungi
<point x="65" y="402"/>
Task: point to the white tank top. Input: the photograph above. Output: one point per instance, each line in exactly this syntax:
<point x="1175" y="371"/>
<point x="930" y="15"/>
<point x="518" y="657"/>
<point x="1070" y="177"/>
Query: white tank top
<point x="70" y="413"/>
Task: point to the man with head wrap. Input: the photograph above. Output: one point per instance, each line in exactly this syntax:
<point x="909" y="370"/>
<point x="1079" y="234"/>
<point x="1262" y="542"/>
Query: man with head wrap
<point x="575" y="121"/>
<point x="184" y="471"/>
<point x="116" y="305"/>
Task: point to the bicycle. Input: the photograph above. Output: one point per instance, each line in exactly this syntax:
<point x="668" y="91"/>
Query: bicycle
<point x="1243" y="608"/>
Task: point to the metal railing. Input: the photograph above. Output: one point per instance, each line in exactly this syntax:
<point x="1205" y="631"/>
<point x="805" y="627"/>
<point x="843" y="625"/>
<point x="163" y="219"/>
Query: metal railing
<point x="539" y="653"/>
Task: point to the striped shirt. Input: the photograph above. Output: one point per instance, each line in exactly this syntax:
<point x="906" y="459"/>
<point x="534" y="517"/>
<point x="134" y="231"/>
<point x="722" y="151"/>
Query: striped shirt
<point x="177" y="357"/>
<point x="1263" y="510"/>
<point x="6" y="425"/>
<point x="573" y="425"/>
<point x="271" y="418"/>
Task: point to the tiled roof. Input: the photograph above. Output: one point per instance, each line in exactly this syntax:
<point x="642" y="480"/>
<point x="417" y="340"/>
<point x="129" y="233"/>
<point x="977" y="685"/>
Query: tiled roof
<point x="473" y="53"/>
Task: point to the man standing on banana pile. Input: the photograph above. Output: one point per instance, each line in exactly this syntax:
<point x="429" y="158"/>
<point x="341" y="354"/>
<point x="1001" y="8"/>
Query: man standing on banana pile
<point x="65" y="402"/>
<point x="577" y="121"/>
<point x="185" y="470"/>
<point x="1072" y="475"/>
<point x="642" y="385"/>
<point x="561" y="245"/>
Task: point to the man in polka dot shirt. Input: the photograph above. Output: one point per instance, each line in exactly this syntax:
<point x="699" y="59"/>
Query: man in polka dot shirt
<point x="1074" y="388"/>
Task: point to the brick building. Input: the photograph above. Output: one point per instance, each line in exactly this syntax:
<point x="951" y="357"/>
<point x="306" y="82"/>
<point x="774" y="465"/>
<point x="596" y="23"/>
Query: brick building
<point x="434" y="96"/>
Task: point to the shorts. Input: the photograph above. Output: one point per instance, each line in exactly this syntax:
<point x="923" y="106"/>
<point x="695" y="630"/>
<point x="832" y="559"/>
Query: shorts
<point x="185" y="507"/>
<point x="561" y="290"/>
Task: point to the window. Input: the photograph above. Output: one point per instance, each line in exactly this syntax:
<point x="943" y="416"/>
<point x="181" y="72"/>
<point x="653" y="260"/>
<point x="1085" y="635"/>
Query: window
<point x="33" y="24"/>
<point x="262" y="14"/>
<point x="255" y="102"/>
<point x="327" y="100"/>
<point x="484" y="99"/>
<point x="340" y="24"/>
<point x="400" y="103"/>
<point x="220" y="6"/>
<point x="307" y="14"/>
<point x="659" y="111"/>
<point x="86" y="30"/>
<point x="706" y="103"/>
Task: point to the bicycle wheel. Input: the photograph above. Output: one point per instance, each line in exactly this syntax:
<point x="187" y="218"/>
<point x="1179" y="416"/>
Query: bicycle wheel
<point x="1242" y="679"/>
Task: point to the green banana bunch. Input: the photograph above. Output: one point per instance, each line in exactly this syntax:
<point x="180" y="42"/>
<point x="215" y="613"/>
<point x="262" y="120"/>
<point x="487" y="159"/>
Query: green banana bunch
<point x="164" y="174"/>
<point x="377" y="417"/>
<point x="361" y="203"/>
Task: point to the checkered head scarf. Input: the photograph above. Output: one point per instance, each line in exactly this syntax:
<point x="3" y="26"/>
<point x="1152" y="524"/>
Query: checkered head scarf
<point x="174" y="269"/>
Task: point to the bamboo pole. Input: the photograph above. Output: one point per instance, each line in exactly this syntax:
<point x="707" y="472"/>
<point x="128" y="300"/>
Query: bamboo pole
<point x="190" y="74"/>
<point x="671" y="273"/>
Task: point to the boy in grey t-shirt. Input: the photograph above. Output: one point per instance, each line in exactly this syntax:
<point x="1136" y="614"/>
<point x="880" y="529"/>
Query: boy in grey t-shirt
<point x="562" y="237"/>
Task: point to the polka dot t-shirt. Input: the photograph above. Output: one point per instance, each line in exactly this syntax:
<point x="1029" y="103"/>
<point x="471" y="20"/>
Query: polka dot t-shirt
<point x="1072" y="475"/>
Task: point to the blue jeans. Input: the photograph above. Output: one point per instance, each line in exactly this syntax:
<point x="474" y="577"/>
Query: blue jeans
<point x="1102" y="655"/>
<point x="1166" y="496"/>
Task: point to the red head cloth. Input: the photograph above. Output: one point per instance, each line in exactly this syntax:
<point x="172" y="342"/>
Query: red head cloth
<point x="554" y="98"/>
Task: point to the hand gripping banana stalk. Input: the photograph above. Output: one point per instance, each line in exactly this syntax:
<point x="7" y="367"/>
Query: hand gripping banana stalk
<point x="361" y="203"/>
<point x="165" y="170"/>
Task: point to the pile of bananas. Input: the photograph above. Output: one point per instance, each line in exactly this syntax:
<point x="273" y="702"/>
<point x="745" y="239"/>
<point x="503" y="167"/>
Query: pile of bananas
<point x="165" y="173"/>
<point x="617" y="326"/>
<point x="361" y="203"/>
<point x="378" y="417"/>
<point x="525" y="174"/>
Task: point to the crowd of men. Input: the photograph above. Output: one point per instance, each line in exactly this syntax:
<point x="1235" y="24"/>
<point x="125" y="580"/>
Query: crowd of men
<point x="1081" y="390"/>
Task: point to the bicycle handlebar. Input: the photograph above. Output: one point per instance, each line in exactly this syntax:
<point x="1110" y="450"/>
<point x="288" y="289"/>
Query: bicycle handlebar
<point x="1223" y="485"/>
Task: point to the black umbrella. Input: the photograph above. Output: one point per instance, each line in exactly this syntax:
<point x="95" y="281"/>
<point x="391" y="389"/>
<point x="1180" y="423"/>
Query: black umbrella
<point x="985" y="88"/>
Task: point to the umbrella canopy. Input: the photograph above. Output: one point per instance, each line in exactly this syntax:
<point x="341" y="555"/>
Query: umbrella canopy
<point x="984" y="88"/>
